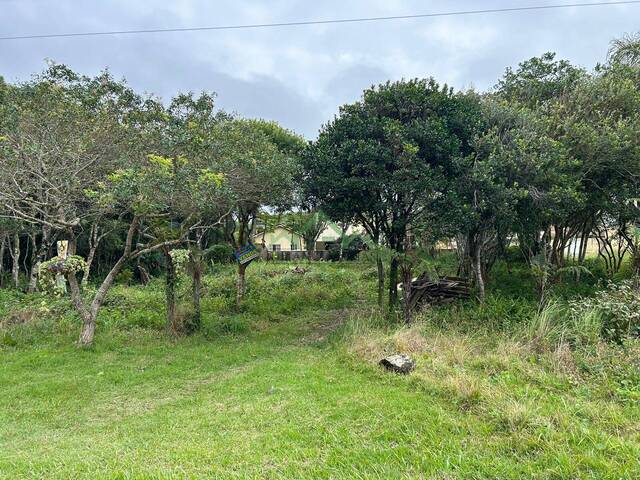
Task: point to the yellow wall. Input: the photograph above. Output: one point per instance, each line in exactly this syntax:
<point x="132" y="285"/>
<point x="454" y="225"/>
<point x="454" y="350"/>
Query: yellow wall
<point x="280" y="236"/>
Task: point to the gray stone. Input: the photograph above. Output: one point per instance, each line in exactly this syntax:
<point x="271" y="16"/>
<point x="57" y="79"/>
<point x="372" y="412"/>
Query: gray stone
<point x="398" y="363"/>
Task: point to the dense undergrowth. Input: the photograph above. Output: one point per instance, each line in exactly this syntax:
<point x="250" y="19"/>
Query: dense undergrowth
<point x="275" y="292"/>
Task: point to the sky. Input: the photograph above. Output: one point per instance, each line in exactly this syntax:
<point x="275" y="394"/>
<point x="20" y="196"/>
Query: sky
<point x="300" y="75"/>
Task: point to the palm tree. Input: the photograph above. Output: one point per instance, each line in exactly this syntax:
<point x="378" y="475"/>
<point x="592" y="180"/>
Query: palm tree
<point x="309" y="226"/>
<point x="625" y="50"/>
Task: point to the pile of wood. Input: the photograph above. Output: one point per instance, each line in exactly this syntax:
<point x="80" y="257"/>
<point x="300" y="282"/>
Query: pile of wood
<point x="434" y="291"/>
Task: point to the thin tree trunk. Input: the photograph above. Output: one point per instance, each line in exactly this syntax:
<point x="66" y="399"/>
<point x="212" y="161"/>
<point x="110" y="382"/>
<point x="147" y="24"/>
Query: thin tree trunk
<point x="15" y="257"/>
<point x="584" y="243"/>
<point x="170" y="293"/>
<point x="393" y="283"/>
<point x="3" y="243"/>
<point x="343" y="231"/>
<point x="35" y="264"/>
<point x="406" y="291"/>
<point x="94" y="240"/>
<point x="245" y="229"/>
<point x="39" y="257"/>
<point x="144" y="275"/>
<point x="380" y="279"/>
<point x="477" y="268"/>
<point x="196" y="294"/>
<point x="241" y="284"/>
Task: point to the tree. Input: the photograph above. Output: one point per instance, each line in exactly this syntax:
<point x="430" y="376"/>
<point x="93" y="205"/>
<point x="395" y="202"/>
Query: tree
<point x="387" y="160"/>
<point x="192" y="193"/>
<point x="538" y="80"/>
<point x="625" y="50"/>
<point x="487" y="184"/>
<point x="598" y="125"/>
<point x="309" y="225"/>
<point x="515" y="180"/>
<point x="554" y="198"/>
<point x="260" y="173"/>
<point x="63" y="138"/>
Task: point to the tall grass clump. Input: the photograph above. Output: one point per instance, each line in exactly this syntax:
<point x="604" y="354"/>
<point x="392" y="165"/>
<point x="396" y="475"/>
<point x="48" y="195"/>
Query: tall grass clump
<point x="612" y="314"/>
<point x="558" y="324"/>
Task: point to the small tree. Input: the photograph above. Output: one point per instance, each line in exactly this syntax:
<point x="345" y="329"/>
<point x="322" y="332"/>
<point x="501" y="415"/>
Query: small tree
<point x="63" y="137"/>
<point x="260" y="171"/>
<point x="309" y="225"/>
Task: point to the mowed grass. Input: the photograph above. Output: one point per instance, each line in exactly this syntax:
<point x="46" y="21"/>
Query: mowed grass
<point x="288" y="388"/>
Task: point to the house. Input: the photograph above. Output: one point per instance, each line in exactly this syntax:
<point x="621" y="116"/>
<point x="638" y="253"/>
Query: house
<point x="283" y="239"/>
<point x="279" y="239"/>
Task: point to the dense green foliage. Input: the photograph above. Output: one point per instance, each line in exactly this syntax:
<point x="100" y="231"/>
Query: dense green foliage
<point x="550" y="157"/>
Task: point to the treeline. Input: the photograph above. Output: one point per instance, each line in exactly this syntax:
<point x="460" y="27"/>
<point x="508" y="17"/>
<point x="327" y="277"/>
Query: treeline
<point x="550" y="155"/>
<point x="129" y="182"/>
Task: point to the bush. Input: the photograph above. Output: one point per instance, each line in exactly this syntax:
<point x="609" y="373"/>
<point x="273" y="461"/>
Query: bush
<point x="221" y="253"/>
<point x="618" y="306"/>
<point x="124" y="277"/>
<point x="611" y="314"/>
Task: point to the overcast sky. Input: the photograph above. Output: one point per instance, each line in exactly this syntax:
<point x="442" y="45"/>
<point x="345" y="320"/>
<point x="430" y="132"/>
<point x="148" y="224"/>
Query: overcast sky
<point x="299" y="76"/>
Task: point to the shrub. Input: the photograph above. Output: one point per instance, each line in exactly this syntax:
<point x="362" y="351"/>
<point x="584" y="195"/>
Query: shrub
<point x="618" y="306"/>
<point x="124" y="277"/>
<point x="611" y="314"/>
<point x="221" y="253"/>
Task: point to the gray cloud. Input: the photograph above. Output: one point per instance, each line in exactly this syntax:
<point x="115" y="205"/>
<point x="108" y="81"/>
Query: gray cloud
<point x="300" y="75"/>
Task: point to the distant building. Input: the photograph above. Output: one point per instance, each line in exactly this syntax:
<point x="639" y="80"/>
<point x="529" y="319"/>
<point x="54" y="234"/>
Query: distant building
<point x="284" y="239"/>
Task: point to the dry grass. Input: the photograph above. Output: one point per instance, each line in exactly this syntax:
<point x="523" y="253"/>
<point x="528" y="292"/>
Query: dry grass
<point x="18" y="317"/>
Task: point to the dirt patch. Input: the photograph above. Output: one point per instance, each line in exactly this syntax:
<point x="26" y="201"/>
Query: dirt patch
<point x="17" y="317"/>
<point x="293" y="271"/>
<point x="318" y="330"/>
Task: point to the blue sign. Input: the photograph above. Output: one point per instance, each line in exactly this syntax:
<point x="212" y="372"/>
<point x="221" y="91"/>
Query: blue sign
<point x="246" y="254"/>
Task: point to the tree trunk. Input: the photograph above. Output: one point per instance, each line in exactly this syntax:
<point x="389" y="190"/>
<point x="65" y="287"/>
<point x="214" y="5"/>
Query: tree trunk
<point x="87" y="269"/>
<point x="39" y="257"/>
<point x="144" y="274"/>
<point x="246" y="225"/>
<point x="170" y="293"/>
<point x="343" y="232"/>
<point x="477" y="270"/>
<point x="35" y="264"/>
<point x="196" y="276"/>
<point x="3" y="243"/>
<point x="94" y="241"/>
<point x="406" y="291"/>
<point x="464" y="258"/>
<point x="380" y="266"/>
<point x="88" y="331"/>
<point x="240" y="284"/>
<point x="15" y="257"/>
<point x="197" y="285"/>
<point x="393" y="283"/>
<point x="310" y="248"/>
<point x="584" y="242"/>
<point x="90" y="314"/>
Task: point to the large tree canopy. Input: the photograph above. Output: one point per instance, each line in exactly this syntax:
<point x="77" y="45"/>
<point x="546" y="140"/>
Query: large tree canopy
<point x="387" y="160"/>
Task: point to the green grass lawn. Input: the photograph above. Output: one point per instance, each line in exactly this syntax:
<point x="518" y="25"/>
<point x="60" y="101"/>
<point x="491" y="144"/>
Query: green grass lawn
<point x="288" y="388"/>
